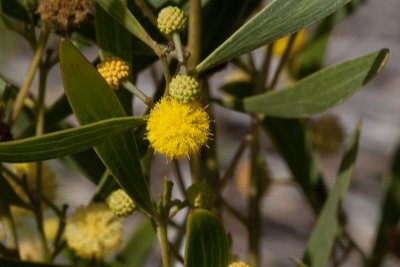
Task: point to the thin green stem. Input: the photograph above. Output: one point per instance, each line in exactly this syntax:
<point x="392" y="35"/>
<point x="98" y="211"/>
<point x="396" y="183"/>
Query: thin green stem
<point x="178" y="47"/>
<point x="179" y="177"/>
<point x="39" y="165"/>
<point x="146" y="10"/>
<point x="232" y="166"/>
<point x="194" y="45"/>
<point x="163" y="239"/>
<point x="283" y="61"/>
<point x="9" y="227"/>
<point x="37" y="58"/>
<point x="135" y="91"/>
<point x="167" y="75"/>
<point x="233" y="211"/>
<point x="255" y="194"/>
<point x="263" y="74"/>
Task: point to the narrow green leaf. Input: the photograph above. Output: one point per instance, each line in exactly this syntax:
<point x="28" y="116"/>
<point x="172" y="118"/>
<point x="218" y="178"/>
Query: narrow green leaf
<point x="206" y="241"/>
<point x="83" y="83"/>
<point x="8" y="195"/>
<point x="120" y="12"/>
<point x="293" y="141"/>
<point x="279" y="18"/>
<point x="390" y="213"/>
<point x="312" y="55"/>
<point x="66" y="142"/>
<point x="321" y="241"/>
<point x="138" y="247"/>
<point x="320" y="91"/>
<point x="17" y="263"/>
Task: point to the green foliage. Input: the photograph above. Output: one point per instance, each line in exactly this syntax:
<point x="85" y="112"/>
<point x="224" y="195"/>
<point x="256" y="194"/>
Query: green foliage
<point x="320" y="243"/>
<point x="111" y="149"/>
<point x="320" y="91"/>
<point x="206" y="241"/>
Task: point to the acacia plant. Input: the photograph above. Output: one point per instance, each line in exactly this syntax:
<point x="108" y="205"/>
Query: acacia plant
<point x="183" y="43"/>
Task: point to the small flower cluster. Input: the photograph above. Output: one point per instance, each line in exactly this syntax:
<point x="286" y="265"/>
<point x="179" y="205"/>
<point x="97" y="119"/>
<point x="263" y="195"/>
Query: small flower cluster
<point x="171" y="19"/>
<point x="120" y="203"/>
<point x="93" y="231"/>
<point x="113" y="70"/>
<point x="62" y="14"/>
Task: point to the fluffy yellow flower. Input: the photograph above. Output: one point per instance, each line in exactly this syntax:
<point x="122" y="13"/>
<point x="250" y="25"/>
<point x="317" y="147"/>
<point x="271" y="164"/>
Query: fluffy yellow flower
<point x="281" y="44"/>
<point x="238" y="264"/>
<point x="27" y="171"/>
<point x="113" y="70"/>
<point x="177" y="130"/>
<point x="93" y="231"/>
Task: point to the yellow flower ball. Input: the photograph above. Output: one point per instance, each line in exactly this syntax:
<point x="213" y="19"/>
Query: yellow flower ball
<point x="120" y="203"/>
<point x="113" y="70"/>
<point x="93" y="231"/>
<point x="177" y="130"/>
<point x="171" y="19"/>
<point x="184" y="88"/>
<point x="238" y="264"/>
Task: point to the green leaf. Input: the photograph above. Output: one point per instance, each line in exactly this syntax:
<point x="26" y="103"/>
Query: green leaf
<point x="8" y="195"/>
<point x="390" y="213"/>
<point x="320" y="91"/>
<point x="83" y="83"/>
<point x="17" y="263"/>
<point x="138" y="247"/>
<point x="312" y="55"/>
<point x="120" y="12"/>
<point x="322" y="238"/>
<point x="66" y="142"/>
<point x="292" y="139"/>
<point x="206" y="241"/>
<point x="279" y="18"/>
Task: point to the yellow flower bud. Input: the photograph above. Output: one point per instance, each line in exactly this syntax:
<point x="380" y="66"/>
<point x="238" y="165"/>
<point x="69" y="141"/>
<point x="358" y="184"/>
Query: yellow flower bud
<point x="113" y="70"/>
<point x="184" y="89"/>
<point x="120" y="203"/>
<point x="238" y="264"/>
<point x="171" y="19"/>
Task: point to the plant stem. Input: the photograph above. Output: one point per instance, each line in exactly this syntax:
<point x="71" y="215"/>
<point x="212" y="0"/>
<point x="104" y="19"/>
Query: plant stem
<point x="262" y="76"/>
<point x="135" y="91"/>
<point x="37" y="57"/>
<point x="39" y="165"/>
<point x="283" y="61"/>
<point x="163" y="239"/>
<point x="167" y="75"/>
<point x="179" y="177"/>
<point x="255" y="193"/>
<point x="194" y="45"/>
<point x="10" y="231"/>
<point x="146" y="10"/>
<point x="178" y="47"/>
<point x="234" y="162"/>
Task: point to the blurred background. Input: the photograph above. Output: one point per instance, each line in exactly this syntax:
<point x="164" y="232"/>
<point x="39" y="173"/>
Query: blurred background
<point x="287" y="217"/>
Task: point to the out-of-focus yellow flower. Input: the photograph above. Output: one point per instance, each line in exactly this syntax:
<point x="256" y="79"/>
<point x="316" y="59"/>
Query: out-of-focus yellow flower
<point x="113" y="70"/>
<point x="27" y="171"/>
<point x="51" y="227"/>
<point x="237" y="76"/>
<point x="30" y="250"/>
<point x="93" y="231"/>
<point x="171" y="19"/>
<point x="177" y="130"/>
<point x="238" y="264"/>
<point x="281" y="44"/>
